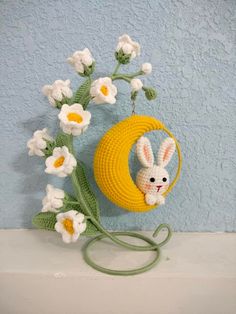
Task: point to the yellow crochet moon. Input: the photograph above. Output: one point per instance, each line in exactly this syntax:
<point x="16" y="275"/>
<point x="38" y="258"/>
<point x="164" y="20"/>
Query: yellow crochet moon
<point x="111" y="162"/>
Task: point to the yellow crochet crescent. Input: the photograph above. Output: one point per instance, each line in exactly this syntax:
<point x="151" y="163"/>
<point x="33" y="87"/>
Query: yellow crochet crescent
<point x="111" y="162"/>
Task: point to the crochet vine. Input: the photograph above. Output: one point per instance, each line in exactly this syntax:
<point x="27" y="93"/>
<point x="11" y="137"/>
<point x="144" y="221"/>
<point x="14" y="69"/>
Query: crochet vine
<point x="73" y="215"/>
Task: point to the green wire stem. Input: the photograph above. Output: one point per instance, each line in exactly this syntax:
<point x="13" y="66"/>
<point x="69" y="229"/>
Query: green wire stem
<point x="135" y="271"/>
<point x="153" y="246"/>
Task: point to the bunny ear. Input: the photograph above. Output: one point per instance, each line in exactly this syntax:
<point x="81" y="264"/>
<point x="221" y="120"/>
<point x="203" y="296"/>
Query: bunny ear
<point x="144" y="152"/>
<point x="165" y="152"/>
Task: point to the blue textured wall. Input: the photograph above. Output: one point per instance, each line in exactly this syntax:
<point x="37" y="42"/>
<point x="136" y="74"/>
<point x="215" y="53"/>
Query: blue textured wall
<point x="191" y="46"/>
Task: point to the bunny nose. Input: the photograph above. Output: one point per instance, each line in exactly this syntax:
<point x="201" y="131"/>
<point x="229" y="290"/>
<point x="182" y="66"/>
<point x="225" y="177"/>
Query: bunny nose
<point x="158" y="187"/>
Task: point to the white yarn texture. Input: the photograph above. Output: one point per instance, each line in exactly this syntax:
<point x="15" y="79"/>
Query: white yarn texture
<point x="153" y="180"/>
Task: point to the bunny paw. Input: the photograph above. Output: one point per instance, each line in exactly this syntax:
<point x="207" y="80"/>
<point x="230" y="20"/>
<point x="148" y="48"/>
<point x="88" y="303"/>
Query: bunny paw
<point x="160" y="200"/>
<point x="150" y="199"/>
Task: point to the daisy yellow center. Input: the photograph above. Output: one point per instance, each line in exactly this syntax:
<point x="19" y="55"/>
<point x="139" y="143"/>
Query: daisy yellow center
<point x="104" y="90"/>
<point x="75" y="117"/>
<point x="68" y="225"/>
<point x="59" y="162"/>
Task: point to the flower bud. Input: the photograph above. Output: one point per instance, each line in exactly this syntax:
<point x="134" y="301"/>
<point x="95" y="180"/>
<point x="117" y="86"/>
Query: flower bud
<point x="150" y="93"/>
<point x="40" y="142"/>
<point x="58" y="93"/>
<point x="146" y="68"/>
<point x="83" y="62"/>
<point x="121" y="57"/>
<point x="136" y="84"/>
<point x="53" y="200"/>
<point x="126" y="49"/>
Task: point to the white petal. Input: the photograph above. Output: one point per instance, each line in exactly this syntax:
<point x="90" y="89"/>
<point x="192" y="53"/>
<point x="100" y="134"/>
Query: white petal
<point x="52" y="101"/>
<point x="60" y="217"/>
<point x="80" y="217"/>
<point x="127" y="49"/>
<point x="76" y="131"/>
<point x="66" y="237"/>
<point x="76" y="107"/>
<point x="70" y="60"/>
<point x="75" y="236"/>
<point x="59" y="227"/>
<point x="46" y="90"/>
<point x="49" y="161"/>
<point x="57" y="203"/>
<point x="57" y="94"/>
<point x="82" y="227"/>
<point x="113" y="90"/>
<point x="79" y="67"/>
<point x="58" y="193"/>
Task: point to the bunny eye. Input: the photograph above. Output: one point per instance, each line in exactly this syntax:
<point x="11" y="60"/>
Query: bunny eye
<point x="164" y="179"/>
<point x="152" y="180"/>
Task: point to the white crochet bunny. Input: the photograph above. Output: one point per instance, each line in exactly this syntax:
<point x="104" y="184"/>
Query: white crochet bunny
<point x="154" y="180"/>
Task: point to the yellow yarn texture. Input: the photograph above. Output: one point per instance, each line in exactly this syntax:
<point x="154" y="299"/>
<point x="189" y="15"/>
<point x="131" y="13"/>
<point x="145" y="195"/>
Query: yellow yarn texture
<point x="111" y="162"/>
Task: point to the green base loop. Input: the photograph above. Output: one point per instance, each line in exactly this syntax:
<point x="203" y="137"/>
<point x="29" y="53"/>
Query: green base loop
<point x="153" y="246"/>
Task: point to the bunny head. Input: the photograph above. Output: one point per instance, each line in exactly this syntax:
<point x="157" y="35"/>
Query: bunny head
<point x="154" y="179"/>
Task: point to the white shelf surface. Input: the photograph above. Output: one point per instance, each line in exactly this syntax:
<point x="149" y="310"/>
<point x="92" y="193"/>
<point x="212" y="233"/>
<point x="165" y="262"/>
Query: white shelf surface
<point x="41" y="275"/>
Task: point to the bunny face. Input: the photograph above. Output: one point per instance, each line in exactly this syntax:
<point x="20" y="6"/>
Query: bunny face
<point x="153" y="180"/>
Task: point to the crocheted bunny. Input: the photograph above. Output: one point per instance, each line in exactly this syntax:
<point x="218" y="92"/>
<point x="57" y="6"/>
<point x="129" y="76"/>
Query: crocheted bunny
<point x="153" y="180"/>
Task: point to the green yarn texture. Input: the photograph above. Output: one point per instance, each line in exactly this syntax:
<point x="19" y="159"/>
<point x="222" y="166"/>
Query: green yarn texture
<point x="82" y="96"/>
<point x="45" y="220"/>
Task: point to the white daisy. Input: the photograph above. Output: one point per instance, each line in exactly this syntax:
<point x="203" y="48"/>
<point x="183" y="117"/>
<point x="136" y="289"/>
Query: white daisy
<point x="38" y="142"/>
<point x="128" y="46"/>
<point x="136" y="84"/>
<point x="61" y="163"/>
<point x="81" y="59"/>
<point x="58" y="91"/>
<point x="103" y="91"/>
<point x="70" y="224"/>
<point x="53" y="199"/>
<point x="146" y="68"/>
<point x="74" y="119"/>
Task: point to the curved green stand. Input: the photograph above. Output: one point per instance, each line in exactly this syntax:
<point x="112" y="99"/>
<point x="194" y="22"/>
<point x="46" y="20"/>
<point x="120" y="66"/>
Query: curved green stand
<point x="153" y="246"/>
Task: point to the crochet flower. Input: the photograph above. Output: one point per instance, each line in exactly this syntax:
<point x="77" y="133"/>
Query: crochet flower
<point x="74" y="119"/>
<point x="38" y="142"/>
<point x="136" y="84"/>
<point x="53" y="199"/>
<point x="58" y="91"/>
<point x="61" y="163"/>
<point x="146" y="68"/>
<point x="127" y="49"/>
<point x="70" y="224"/>
<point x="82" y="61"/>
<point x="103" y="91"/>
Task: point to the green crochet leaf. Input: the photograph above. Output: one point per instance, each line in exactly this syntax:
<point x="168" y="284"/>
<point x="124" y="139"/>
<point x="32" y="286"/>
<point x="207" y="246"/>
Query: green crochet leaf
<point x="88" y="194"/>
<point x="82" y="96"/>
<point x="45" y="220"/>
<point x="91" y="230"/>
<point x="62" y="139"/>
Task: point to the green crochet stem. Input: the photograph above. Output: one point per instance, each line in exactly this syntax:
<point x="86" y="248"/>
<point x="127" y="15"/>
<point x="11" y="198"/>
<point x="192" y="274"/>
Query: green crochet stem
<point x="152" y="246"/>
<point x="116" y="68"/>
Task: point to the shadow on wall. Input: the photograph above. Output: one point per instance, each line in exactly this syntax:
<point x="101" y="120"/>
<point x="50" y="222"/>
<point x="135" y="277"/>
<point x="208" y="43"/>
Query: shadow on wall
<point x="32" y="175"/>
